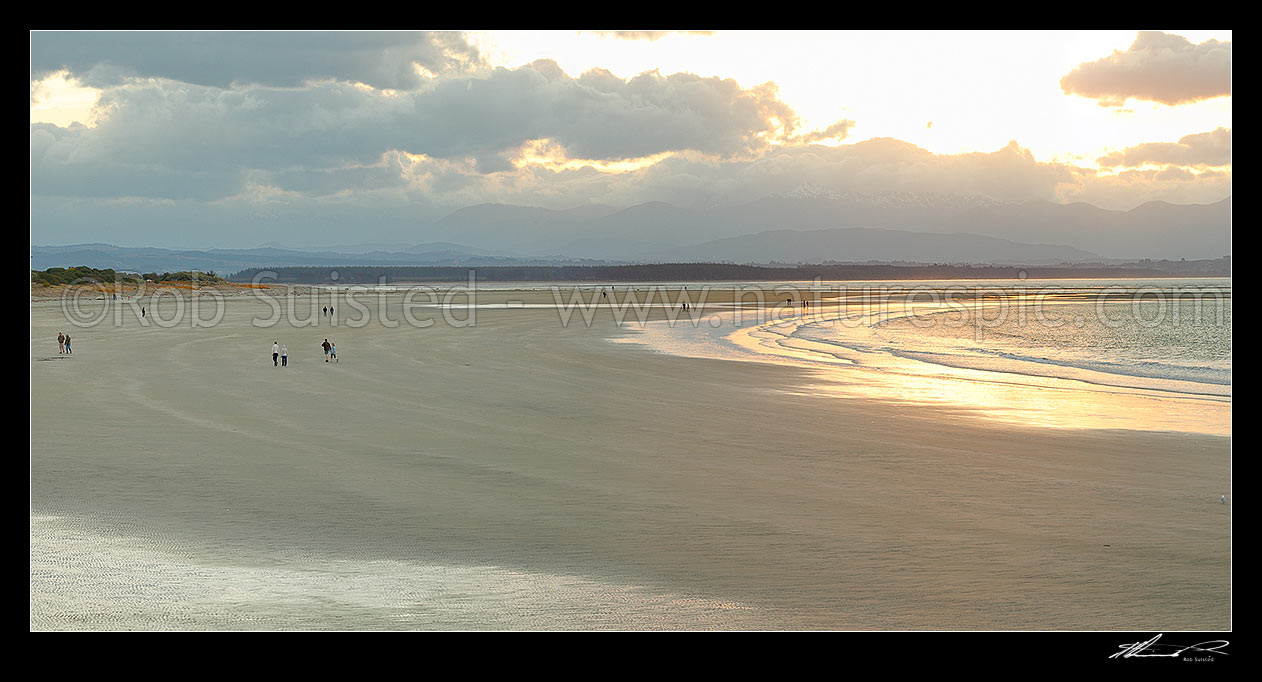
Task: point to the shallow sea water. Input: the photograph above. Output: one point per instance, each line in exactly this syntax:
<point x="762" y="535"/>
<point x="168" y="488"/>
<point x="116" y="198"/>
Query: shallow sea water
<point x="1136" y="355"/>
<point x="85" y="580"/>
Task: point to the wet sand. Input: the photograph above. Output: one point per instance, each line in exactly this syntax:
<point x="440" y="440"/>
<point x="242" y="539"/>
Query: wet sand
<point x="518" y="474"/>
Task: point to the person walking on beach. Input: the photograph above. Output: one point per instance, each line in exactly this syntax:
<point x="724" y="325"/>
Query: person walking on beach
<point x="333" y="351"/>
<point x="142" y="311"/>
<point x="275" y="353"/>
<point x="67" y="343"/>
<point x="61" y="343"/>
<point x="326" y="348"/>
<point x="284" y="356"/>
<point x="324" y="311"/>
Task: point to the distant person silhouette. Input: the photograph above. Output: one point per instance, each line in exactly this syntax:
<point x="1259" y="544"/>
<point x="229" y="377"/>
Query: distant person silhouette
<point x="275" y="353"/>
<point x="284" y="356"/>
<point x="326" y="348"/>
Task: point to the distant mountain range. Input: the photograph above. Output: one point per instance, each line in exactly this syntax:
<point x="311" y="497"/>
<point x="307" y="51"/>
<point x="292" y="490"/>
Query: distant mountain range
<point x="647" y="231"/>
<point x="867" y="244"/>
<point x="805" y="226"/>
<point x="223" y="261"/>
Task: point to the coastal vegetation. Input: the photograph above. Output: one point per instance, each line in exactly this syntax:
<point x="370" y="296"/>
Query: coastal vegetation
<point x="83" y="274"/>
<point x="185" y="276"/>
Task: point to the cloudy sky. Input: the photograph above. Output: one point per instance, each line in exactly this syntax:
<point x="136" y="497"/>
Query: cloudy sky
<point x="221" y="139"/>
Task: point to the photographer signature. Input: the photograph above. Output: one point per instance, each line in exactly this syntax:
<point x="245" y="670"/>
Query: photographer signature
<point x="1137" y="649"/>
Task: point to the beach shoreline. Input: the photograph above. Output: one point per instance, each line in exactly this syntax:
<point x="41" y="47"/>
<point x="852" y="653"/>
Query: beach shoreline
<point x="732" y="488"/>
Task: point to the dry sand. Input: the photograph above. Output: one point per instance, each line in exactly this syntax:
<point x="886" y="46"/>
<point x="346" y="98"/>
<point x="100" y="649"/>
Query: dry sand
<point x="519" y="474"/>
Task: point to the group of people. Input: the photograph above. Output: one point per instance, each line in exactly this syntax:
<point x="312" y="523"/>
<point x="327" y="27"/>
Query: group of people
<point x="63" y="343"/>
<point x="280" y="354"/>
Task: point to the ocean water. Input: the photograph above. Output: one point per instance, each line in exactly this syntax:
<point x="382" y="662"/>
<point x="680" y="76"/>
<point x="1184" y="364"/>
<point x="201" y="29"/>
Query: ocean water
<point x="1182" y="344"/>
<point x="1127" y="354"/>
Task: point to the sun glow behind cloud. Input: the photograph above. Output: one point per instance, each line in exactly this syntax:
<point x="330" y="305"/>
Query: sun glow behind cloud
<point x="62" y="101"/>
<point x="559" y="119"/>
<point x="980" y="89"/>
<point x="546" y="153"/>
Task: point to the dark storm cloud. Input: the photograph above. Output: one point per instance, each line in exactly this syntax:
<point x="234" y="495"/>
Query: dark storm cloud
<point x="386" y="174"/>
<point x="219" y="59"/>
<point x="1202" y="149"/>
<point x="392" y="199"/>
<point x="1158" y="67"/>
<point x="155" y="136"/>
<point x="872" y="166"/>
<point x="66" y="162"/>
<point x="238" y="149"/>
<point x="597" y="116"/>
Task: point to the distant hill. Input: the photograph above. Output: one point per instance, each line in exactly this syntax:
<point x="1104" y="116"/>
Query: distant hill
<point x="857" y="245"/>
<point x="145" y="259"/>
<point x="646" y="231"/>
<point x="801" y="227"/>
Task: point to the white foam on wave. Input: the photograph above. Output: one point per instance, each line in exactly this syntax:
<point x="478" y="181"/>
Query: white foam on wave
<point x="857" y="359"/>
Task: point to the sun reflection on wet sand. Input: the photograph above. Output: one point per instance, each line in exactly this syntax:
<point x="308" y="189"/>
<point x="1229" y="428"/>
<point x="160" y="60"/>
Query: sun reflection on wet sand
<point x="1078" y="398"/>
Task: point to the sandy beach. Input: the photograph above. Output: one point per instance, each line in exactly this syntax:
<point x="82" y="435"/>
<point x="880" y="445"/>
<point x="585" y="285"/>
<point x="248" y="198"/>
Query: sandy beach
<point x="521" y="474"/>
